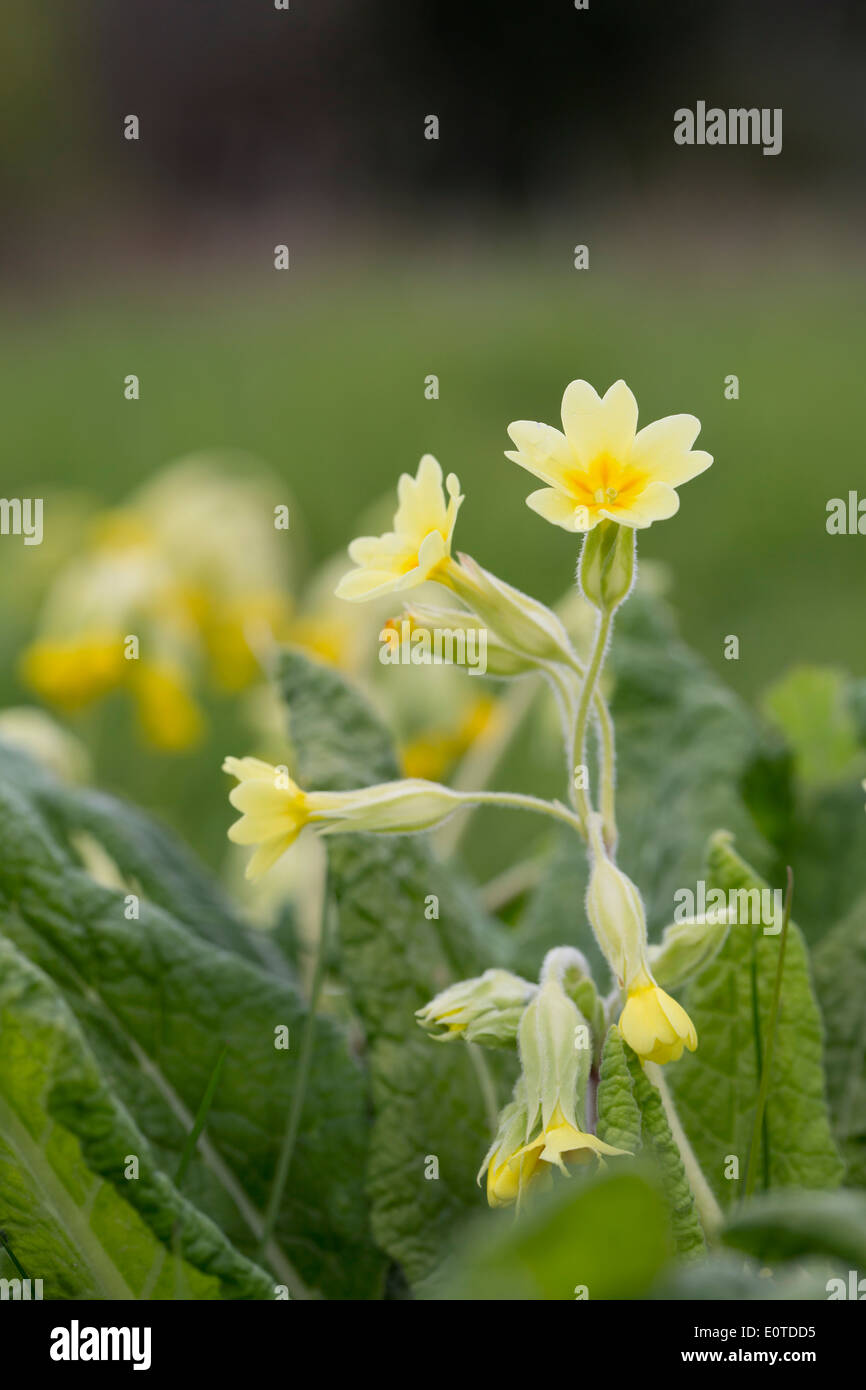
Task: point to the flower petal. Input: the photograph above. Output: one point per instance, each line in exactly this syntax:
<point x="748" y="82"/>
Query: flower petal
<point x="361" y="583"/>
<point x="594" y="425"/>
<point x="541" y="450"/>
<point x="657" y="502"/>
<point x="421" y="505"/>
<point x="561" y="510"/>
<point x="267" y="855"/>
<point x="662" y="449"/>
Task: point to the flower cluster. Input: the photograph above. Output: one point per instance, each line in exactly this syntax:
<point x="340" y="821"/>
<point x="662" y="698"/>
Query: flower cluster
<point x="171" y="588"/>
<point x="606" y="479"/>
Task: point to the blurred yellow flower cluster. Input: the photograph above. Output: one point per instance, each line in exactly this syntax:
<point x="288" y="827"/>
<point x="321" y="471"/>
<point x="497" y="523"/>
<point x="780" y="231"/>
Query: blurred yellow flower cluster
<point x="174" y="588"/>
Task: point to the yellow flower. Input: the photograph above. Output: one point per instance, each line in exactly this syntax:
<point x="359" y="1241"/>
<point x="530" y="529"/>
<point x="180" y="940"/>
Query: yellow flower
<point x="653" y="1024"/>
<point x="561" y="1142"/>
<point x="511" y="1169"/>
<point x="418" y="545"/>
<point x="71" y="672"/>
<point x="508" y="1178"/>
<point x="275" y="810"/>
<point x="600" y="468"/>
<point x="169" y="716"/>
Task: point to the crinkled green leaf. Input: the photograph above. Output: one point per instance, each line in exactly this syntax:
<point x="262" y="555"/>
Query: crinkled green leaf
<point x="658" y="1142"/>
<point x="407" y="929"/>
<point x="158" y="1003"/>
<point x="618" y="1112"/>
<point x="69" y="1213"/>
<point x="146" y="854"/>
<point x="839" y="964"/>
<point x="716" y="1086"/>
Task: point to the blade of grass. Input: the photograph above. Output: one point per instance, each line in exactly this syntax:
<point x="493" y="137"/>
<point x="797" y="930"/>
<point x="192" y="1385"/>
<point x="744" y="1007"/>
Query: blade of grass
<point x="296" y="1108"/>
<point x="4" y="1245"/>
<point x="759" y="1128"/>
<point x="201" y="1118"/>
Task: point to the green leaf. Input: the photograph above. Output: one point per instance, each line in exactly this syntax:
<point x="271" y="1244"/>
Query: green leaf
<point x="407" y="929"/>
<point x="618" y="1113"/>
<point x="148" y="855"/>
<point x="658" y="1142"/>
<point x="716" y="1087"/>
<point x="158" y="1004"/>
<point x="788" y="1225"/>
<point x="69" y="1213"/>
<point x="839" y="964"/>
<point x="810" y="704"/>
<point x="631" y="1116"/>
<point x="827" y="849"/>
<point x="607" y="1234"/>
<point x="725" y="1277"/>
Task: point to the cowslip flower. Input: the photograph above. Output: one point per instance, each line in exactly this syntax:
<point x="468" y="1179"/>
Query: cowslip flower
<point x="419" y="544"/>
<point x="653" y="1024"/>
<point x="485" y="1009"/>
<point x="274" y="809"/>
<point x="541" y="1129"/>
<point x="599" y="467"/>
<point x="419" y="549"/>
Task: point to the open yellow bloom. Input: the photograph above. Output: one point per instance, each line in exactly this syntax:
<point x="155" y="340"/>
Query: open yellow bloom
<point x="653" y="1024"/>
<point x="561" y="1142"/>
<point x="507" y="1178"/>
<point x="601" y="468"/>
<point x="275" y="810"/>
<point x="510" y="1171"/>
<point x="419" y="543"/>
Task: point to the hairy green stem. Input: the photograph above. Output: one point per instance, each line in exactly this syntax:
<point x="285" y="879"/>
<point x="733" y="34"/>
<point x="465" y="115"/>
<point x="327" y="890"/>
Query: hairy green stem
<point x="519" y="802"/>
<point x="486" y="1085"/>
<point x="587" y="696"/>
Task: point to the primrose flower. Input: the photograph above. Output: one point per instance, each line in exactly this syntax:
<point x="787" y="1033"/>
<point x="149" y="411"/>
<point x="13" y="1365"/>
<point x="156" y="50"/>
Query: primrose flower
<point x="653" y="1024"/>
<point x="600" y="467"/>
<point x="419" y="544"/>
<point x="274" y="809"/>
<point x="561" y="1142"/>
<point x="542" y="1128"/>
<point x="508" y="1174"/>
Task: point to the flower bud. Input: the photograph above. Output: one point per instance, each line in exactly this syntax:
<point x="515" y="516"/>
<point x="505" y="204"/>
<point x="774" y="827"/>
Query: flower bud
<point x="501" y="660"/>
<point x="615" y="911"/>
<point x="555" y="1054"/>
<point x="520" y="622"/>
<point x="607" y="565"/>
<point x="486" y="1009"/>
